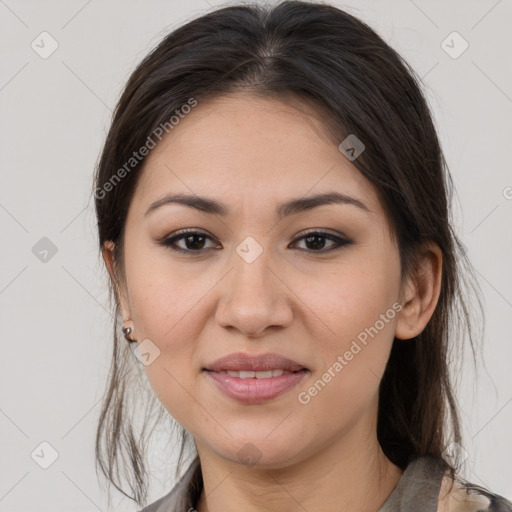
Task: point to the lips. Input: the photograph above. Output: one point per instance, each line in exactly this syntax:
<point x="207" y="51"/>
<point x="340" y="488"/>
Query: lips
<point x="255" y="379"/>
<point x="263" y="374"/>
<point x="242" y="362"/>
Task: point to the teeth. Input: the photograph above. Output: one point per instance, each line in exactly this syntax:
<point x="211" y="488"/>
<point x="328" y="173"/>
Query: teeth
<point x="267" y="374"/>
<point x="264" y="375"/>
<point x="247" y="375"/>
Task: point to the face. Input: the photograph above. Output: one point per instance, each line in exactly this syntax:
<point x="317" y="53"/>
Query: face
<point x="316" y="286"/>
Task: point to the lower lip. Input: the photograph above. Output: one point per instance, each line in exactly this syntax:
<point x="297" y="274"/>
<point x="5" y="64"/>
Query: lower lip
<point x="252" y="391"/>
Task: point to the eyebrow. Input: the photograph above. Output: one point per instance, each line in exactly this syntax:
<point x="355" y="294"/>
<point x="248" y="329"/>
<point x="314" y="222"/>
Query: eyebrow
<point x="283" y="210"/>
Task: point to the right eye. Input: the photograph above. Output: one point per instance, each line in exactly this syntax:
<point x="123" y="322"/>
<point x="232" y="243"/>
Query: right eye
<point x="193" y="240"/>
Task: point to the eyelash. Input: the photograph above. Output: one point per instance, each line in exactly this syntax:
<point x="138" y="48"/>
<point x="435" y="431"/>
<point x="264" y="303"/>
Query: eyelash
<point x="170" y="242"/>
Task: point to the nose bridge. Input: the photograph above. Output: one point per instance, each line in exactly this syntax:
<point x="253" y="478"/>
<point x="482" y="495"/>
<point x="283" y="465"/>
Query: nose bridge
<point x="254" y="298"/>
<point x="252" y="267"/>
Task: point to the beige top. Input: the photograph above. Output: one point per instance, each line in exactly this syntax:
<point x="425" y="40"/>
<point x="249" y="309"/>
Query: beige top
<point x="422" y="488"/>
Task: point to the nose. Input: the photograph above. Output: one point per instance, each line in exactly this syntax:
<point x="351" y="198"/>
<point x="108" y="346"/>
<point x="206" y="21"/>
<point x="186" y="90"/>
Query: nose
<point x="254" y="298"/>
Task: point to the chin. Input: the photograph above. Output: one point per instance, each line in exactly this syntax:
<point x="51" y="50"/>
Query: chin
<point x="260" y="452"/>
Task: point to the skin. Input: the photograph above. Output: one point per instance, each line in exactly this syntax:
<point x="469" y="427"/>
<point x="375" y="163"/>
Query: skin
<point x="251" y="154"/>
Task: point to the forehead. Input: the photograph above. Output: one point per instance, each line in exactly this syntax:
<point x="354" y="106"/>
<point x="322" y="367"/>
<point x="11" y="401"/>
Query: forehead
<point x="247" y="148"/>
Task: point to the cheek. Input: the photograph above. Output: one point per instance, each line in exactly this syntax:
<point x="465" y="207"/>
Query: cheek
<point x="168" y="309"/>
<point x="346" y="380"/>
<point x="356" y="303"/>
<point x="166" y="302"/>
<point x="350" y="296"/>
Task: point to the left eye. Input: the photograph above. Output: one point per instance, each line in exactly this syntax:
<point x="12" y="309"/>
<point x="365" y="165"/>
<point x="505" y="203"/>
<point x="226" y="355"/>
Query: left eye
<point x="195" y="241"/>
<point x="317" y="238"/>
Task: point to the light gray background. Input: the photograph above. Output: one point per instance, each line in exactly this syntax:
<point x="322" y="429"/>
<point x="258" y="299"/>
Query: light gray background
<point x="56" y="330"/>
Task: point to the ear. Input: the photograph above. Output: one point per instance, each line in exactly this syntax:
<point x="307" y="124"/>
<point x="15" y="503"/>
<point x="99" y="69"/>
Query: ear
<point x="421" y="293"/>
<point x="108" y="257"/>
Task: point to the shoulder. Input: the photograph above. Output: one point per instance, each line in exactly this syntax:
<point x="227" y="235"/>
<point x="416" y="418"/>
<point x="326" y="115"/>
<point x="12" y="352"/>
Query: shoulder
<point x="461" y="496"/>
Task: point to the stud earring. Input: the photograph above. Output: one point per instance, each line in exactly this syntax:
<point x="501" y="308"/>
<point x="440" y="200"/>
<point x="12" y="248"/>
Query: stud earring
<point x="127" y="331"/>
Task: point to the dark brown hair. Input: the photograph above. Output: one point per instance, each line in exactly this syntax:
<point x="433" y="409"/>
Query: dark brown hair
<point x="361" y="86"/>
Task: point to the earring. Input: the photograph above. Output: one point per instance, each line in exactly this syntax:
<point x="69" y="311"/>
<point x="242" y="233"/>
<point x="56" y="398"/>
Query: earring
<point x="127" y="331"/>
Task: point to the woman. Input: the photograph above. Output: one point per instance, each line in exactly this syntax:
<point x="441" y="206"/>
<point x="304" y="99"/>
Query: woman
<point x="273" y="213"/>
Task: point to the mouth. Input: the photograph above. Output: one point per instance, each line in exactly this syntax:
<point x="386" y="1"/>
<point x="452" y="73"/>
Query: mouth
<point x="243" y="362"/>
<point x="255" y="379"/>
<point x="263" y="374"/>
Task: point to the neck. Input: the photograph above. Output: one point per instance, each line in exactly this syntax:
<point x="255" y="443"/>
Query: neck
<point x="349" y="474"/>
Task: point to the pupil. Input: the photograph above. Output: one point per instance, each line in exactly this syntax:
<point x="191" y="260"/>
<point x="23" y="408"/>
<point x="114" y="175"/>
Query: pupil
<point x="190" y="237"/>
<point x="317" y="245"/>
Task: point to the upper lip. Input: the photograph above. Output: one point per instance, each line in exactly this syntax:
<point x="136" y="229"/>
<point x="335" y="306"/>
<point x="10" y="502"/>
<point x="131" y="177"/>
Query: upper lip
<point x="241" y="361"/>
